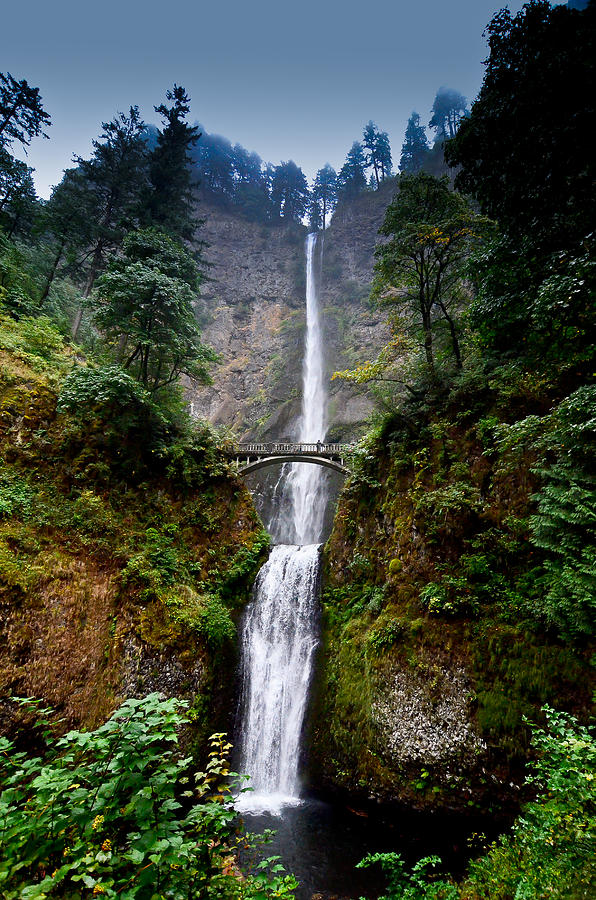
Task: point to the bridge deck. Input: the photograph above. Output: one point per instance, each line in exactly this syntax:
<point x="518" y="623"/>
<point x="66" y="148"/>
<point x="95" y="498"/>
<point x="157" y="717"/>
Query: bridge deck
<point x="250" y="457"/>
<point x="319" y="448"/>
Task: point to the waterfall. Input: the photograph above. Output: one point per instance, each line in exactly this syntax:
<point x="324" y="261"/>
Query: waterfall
<point x="306" y="481"/>
<point x="279" y="629"/>
<point x="278" y="641"/>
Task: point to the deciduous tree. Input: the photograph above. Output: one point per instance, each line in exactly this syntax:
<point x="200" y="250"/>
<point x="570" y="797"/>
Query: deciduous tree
<point x="419" y="269"/>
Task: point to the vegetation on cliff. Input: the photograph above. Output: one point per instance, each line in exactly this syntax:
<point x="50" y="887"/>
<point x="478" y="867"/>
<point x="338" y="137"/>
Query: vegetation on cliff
<point x="462" y="560"/>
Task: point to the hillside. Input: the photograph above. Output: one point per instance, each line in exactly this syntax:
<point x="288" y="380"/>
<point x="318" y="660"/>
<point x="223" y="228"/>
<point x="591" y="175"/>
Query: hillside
<point x="125" y="555"/>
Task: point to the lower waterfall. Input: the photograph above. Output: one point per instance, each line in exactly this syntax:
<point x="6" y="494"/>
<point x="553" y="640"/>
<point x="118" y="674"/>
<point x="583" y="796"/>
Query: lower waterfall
<point x="278" y="644"/>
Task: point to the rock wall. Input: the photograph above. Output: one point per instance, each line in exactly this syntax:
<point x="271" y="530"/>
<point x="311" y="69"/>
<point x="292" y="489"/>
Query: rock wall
<point x="253" y="313"/>
<point x="429" y="665"/>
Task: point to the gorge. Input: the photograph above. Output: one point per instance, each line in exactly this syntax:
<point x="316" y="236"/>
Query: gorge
<point x="313" y="504"/>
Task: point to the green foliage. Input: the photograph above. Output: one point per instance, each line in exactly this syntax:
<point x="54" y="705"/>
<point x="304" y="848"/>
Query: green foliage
<point x="216" y="623"/>
<point x="107" y="387"/>
<point x="450" y="597"/>
<point x="144" y="301"/>
<point x="115" y="812"/>
<point x="548" y="196"/>
<point x="415" y="149"/>
<point x="155" y="565"/>
<point x="22" y="116"/>
<point x="16" y="495"/>
<point x="169" y="202"/>
<point x="532" y="299"/>
<point x="19" y="293"/>
<point x="37" y="342"/>
<point x="420" y="268"/>
<point x="565" y="522"/>
<point x="413" y="885"/>
<point x="551" y="850"/>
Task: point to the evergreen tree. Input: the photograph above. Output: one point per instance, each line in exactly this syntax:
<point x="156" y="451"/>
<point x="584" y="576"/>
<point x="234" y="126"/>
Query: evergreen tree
<point x="214" y="159"/>
<point x="538" y="99"/>
<point x="352" y="179"/>
<point x="22" y="116"/>
<point x="144" y="301"/>
<point x="314" y="215"/>
<point x="18" y="200"/>
<point x="415" y="147"/>
<point x="289" y="191"/>
<point x="116" y="174"/>
<point x="67" y="220"/>
<point x="324" y="192"/>
<point x="384" y="155"/>
<point x="369" y="143"/>
<point x="449" y="108"/>
<point x="169" y="203"/>
<point x="377" y="152"/>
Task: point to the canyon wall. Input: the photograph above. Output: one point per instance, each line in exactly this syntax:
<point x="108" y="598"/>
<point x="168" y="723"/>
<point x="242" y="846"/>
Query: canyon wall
<point x="252" y="312"/>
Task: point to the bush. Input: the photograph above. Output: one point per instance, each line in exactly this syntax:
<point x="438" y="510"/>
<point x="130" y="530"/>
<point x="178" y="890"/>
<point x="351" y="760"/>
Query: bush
<point x="114" y="813"/>
<point x="414" y="885"/>
<point x="551" y="851"/>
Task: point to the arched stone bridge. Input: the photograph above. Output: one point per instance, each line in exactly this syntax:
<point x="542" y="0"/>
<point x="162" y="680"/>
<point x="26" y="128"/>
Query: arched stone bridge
<point x="250" y="457"/>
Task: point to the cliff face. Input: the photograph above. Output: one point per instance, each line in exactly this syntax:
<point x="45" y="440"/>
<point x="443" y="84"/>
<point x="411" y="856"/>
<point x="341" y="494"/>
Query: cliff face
<point x="431" y="654"/>
<point x="253" y="312"/>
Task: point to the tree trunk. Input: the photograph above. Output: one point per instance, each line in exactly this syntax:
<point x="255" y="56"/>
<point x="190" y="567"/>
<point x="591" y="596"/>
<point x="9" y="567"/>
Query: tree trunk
<point x="52" y="274"/>
<point x="88" y="288"/>
<point x="454" y="338"/>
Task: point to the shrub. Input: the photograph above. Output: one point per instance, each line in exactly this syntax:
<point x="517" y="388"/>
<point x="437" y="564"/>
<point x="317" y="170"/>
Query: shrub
<point x="565" y="522"/>
<point x="115" y="813"/>
<point x="551" y="851"/>
<point x="414" y="885"/>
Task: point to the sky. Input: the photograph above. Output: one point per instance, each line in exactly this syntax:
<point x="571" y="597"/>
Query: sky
<point x="289" y="80"/>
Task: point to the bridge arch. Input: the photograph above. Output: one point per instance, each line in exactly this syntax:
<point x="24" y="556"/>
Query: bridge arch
<point x="292" y="457"/>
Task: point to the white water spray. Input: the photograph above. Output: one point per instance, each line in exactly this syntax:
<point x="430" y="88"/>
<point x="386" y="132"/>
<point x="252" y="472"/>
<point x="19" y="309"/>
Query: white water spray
<point x="279" y="628"/>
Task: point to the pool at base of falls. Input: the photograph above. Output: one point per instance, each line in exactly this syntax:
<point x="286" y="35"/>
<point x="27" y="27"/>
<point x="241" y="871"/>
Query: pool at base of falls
<point x="321" y="842"/>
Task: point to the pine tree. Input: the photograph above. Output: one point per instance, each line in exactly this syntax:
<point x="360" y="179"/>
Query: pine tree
<point x="169" y="201"/>
<point x="351" y="179"/>
<point x="22" y="116"/>
<point x="378" y="152"/>
<point x="384" y="155"/>
<point x="324" y="192"/>
<point x="289" y="191"/>
<point x="116" y="174"/>
<point x="415" y="147"/>
<point x="369" y="142"/>
<point x="449" y="108"/>
<point x="67" y="221"/>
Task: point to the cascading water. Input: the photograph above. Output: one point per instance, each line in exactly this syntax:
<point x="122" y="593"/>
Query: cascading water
<point x="279" y="629"/>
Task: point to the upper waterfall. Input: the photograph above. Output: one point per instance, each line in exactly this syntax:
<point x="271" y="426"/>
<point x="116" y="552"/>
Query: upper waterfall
<point x="308" y="482"/>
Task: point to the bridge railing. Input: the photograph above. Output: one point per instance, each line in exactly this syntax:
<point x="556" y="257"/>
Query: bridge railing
<point x="318" y="447"/>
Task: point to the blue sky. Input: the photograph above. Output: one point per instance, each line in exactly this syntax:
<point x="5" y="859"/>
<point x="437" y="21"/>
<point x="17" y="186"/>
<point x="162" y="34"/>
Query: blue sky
<point x="291" y="81"/>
